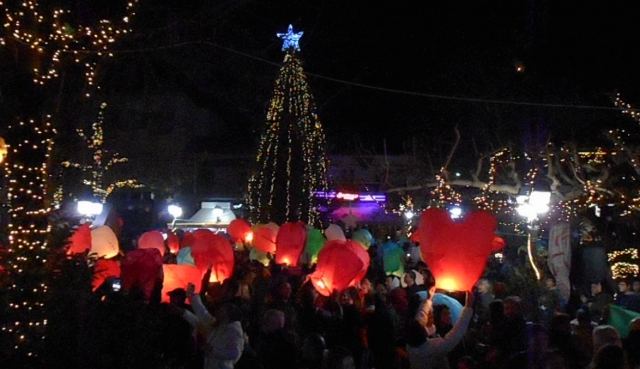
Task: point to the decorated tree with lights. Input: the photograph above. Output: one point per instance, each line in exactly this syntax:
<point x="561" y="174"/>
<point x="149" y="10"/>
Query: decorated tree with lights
<point x="27" y="170"/>
<point x="47" y="40"/>
<point x="291" y="161"/>
<point x="101" y="163"/>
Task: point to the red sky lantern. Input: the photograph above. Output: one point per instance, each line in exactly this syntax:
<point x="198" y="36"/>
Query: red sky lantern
<point x="141" y="268"/>
<point x="173" y="242"/>
<point x="151" y="240"/>
<point x="264" y="237"/>
<point x="104" y="268"/>
<point x="240" y="230"/>
<point x="212" y="250"/>
<point x="178" y="276"/>
<point x="187" y="240"/>
<point x="457" y="252"/>
<point x="290" y="243"/>
<point x="341" y="264"/>
<point x="80" y="240"/>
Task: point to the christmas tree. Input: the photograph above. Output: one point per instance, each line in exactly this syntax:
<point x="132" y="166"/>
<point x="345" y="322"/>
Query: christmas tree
<point x="291" y="161"/>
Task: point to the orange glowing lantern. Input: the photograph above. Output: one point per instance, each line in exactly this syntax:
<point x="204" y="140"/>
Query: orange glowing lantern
<point x="178" y="276"/>
<point x="80" y="240"/>
<point x="290" y="243"/>
<point x="210" y="250"/>
<point x="341" y="264"/>
<point x="102" y="270"/>
<point x="239" y="230"/>
<point x="3" y="150"/>
<point x="264" y="237"/>
<point x="173" y="243"/>
<point x="142" y="269"/>
<point x="187" y="240"/>
<point x="152" y="240"/>
<point x="457" y="252"/>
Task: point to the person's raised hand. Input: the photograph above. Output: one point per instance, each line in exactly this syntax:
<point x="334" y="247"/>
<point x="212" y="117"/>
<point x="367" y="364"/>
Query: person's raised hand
<point x="469" y="299"/>
<point x="191" y="290"/>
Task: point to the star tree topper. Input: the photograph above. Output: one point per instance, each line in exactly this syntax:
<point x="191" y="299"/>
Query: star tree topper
<point x="290" y="39"/>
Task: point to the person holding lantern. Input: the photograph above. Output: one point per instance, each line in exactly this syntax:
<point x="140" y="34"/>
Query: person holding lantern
<point x="425" y="348"/>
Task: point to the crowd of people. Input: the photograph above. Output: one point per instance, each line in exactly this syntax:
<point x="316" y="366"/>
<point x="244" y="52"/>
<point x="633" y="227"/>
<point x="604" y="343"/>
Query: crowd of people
<point x="271" y="317"/>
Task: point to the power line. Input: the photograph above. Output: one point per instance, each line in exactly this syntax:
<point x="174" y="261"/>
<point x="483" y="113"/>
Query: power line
<point x="365" y="85"/>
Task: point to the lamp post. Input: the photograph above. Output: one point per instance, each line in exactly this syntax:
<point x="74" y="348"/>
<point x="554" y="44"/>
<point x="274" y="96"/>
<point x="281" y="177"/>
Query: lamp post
<point x="531" y="205"/>
<point x="89" y="209"/>
<point x="176" y="212"/>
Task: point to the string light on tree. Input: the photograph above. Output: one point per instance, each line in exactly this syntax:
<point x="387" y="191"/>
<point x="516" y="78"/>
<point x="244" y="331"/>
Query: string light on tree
<point x="291" y="163"/>
<point x="48" y="31"/>
<point x="101" y="163"/>
<point x="624" y="263"/>
<point x="27" y="171"/>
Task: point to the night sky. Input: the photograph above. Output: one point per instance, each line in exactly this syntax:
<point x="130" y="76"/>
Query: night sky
<point x="197" y="75"/>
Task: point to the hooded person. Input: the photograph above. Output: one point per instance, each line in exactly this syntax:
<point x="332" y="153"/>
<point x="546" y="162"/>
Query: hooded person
<point x="428" y="351"/>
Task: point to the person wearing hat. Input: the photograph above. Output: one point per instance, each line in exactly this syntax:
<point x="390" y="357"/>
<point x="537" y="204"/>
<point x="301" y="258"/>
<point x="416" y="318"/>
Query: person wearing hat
<point x="178" y="298"/>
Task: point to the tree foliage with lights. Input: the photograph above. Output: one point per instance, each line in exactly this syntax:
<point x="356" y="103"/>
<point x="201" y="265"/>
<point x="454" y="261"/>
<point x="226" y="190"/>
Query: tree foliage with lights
<point x="96" y="173"/>
<point x="48" y="40"/>
<point x="291" y="161"/>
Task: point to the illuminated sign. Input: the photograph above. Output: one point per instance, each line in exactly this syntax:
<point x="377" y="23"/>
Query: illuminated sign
<point x="362" y="196"/>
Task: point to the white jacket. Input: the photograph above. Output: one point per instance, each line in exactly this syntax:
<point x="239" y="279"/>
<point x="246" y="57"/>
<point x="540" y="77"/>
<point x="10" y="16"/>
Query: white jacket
<point x="225" y="342"/>
<point x="432" y="353"/>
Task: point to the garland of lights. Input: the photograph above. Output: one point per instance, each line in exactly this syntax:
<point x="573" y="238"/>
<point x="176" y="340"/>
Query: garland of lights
<point x="102" y="161"/>
<point x="291" y="163"/>
<point x="48" y="32"/>
<point x="27" y="170"/>
<point x="624" y="263"/>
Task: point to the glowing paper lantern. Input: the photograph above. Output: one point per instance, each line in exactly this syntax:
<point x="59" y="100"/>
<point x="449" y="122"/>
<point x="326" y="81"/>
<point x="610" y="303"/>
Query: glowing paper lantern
<point x="334" y="233"/>
<point x="363" y="236"/>
<point x="80" y="240"/>
<point x="393" y="259"/>
<point x="456" y="252"/>
<point x="178" y="276"/>
<point x="184" y="257"/>
<point x="341" y="264"/>
<point x="141" y="269"/>
<point x="240" y="230"/>
<point x="210" y="250"/>
<point x="104" y="242"/>
<point x="315" y="241"/>
<point x="3" y="149"/>
<point x="264" y="237"/>
<point x="173" y="242"/>
<point x="104" y="269"/>
<point x="290" y="242"/>
<point x="151" y="240"/>
<point x="259" y="256"/>
<point x="187" y="240"/>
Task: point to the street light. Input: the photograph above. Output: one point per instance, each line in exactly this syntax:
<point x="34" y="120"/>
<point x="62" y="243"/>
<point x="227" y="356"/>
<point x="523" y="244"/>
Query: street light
<point x="533" y="203"/>
<point x="455" y="212"/>
<point x="89" y="208"/>
<point x="217" y="213"/>
<point x="175" y="211"/>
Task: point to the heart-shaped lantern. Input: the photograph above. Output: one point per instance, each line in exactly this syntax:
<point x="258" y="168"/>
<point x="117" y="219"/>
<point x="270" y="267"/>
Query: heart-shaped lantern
<point x="341" y="264"/>
<point x="210" y="250"/>
<point x="457" y="252"/>
<point x="264" y="237"/>
<point x="240" y="231"/>
<point x="290" y="243"/>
